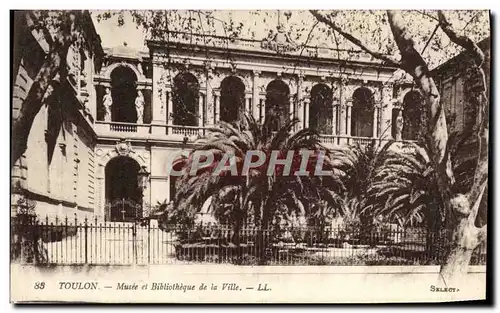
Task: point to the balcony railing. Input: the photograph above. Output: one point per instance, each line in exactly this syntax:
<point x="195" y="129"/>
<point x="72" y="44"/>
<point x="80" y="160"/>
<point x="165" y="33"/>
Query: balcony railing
<point x="185" y="130"/>
<point x="179" y="132"/>
<point x="349" y="140"/>
<point x="338" y="140"/>
<point x="146" y="129"/>
<point x="122" y="127"/>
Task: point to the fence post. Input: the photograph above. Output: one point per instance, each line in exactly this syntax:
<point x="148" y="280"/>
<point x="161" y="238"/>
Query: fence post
<point x="149" y="253"/>
<point x="85" y="240"/>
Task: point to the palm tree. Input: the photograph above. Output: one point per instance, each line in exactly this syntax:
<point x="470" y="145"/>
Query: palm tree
<point x="404" y="188"/>
<point x="266" y="197"/>
<point x="358" y="163"/>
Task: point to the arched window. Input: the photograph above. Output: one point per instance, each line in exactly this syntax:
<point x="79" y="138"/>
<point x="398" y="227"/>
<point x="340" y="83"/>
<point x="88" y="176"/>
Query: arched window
<point x="232" y="99"/>
<point x="278" y="102"/>
<point x="362" y="113"/>
<point x="185" y="99"/>
<point x="123" y="196"/>
<point x="123" y="93"/>
<point x="412" y="115"/>
<point x="321" y="110"/>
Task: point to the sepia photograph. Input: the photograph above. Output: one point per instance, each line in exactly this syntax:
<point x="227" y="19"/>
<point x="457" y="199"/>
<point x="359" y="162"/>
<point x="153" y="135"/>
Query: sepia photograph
<point x="249" y="156"/>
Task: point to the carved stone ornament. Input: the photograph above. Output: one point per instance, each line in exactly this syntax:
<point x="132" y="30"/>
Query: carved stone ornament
<point x="278" y="41"/>
<point x="123" y="147"/>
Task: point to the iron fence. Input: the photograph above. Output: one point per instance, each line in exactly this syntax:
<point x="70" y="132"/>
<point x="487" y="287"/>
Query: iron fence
<point x="69" y="241"/>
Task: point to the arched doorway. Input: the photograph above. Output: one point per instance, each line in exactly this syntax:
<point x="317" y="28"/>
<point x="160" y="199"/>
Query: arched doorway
<point x="123" y="93"/>
<point x="412" y="115"/>
<point x="185" y="99"/>
<point x="321" y="109"/>
<point x="123" y="196"/>
<point x="362" y="113"/>
<point x="232" y="99"/>
<point x="278" y="102"/>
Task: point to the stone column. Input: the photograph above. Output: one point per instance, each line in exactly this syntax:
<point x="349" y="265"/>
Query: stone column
<point x="201" y="100"/>
<point x="217" y="106"/>
<point x="386" y="111"/>
<point x="306" y="112"/>
<point x="209" y="97"/>
<point x="170" y="105"/>
<point x="256" y="96"/>
<point x="158" y="100"/>
<point x="375" y="121"/>
<point x="348" y="117"/>
<point x="399" y="126"/>
<point x="248" y="103"/>
<point x="300" y="102"/>
<point x="100" y="201"/>
<point x="344" y="96"/>
<point x="292" y="114"/>
<point x="262" y="107"/>
<point x="334" y="117"/>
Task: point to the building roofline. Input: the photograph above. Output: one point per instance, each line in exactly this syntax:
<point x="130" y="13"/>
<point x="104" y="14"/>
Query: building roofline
<point x="239" y="49"/>
<point x="483" y="44"/>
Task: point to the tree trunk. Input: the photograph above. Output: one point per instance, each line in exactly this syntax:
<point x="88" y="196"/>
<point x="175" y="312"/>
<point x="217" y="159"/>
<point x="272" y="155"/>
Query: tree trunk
<point x="456" y="266"/>
<point x="464" y="207"/>
<point x="21" y="124"/>
<point x="465" y="238"/>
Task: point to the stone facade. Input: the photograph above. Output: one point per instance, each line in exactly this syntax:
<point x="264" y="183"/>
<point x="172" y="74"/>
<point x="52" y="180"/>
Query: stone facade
<point x="58" y="167"/>
<point x="122" y="108"/>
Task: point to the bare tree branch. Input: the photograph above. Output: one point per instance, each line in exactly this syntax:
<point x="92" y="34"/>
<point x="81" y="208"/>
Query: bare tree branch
<point x="463" y="41"/>
<point x="354" y="40"/>
<point x="481" y="100"/>
<point x="437" y="132"/>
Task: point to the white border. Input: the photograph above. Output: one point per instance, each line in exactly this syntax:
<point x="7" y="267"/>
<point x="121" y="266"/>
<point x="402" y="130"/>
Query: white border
<point x="262" y="4"/>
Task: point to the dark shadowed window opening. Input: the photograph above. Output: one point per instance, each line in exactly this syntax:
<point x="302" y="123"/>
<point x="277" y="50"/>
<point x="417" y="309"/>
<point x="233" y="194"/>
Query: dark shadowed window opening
<point x="232" y="99"/>
<point x="412" y="115"/>
<point x="123" y="93"/>
<point x="362" y="113"/>
<point x="185" y="99"/>
<point x="278" y="102"/>
<point x="123" y="195"/>
<point x="321" y="109"/>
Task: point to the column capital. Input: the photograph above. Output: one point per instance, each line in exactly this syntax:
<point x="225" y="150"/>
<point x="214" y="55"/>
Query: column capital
<point x="256" y="73"/>
<point x="344" y="80"/>
<point x="388" y="85"/>
<point x="301" y="76"/>
<point x="209" y="67"/>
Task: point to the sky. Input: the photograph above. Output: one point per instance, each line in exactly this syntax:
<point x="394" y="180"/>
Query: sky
<point x="370" y="27"/>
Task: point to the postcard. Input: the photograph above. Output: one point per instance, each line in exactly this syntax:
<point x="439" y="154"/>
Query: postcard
<point x="265" y="156"/>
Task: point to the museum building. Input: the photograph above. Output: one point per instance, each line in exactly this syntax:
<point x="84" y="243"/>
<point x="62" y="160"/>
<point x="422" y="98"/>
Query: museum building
<point x="103" y="147"/>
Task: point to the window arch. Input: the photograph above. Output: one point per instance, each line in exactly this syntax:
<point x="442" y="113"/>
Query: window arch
<point x="412" y="115"/>
<point x="123" y="93"/>
<point x="321" y="109"/>
<point x="278" y="102"/>
<point x="232" y="99"/>
<point x="362" y="113"/>
<point x="185" y="99"/>
<point x="123" y="195"/>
